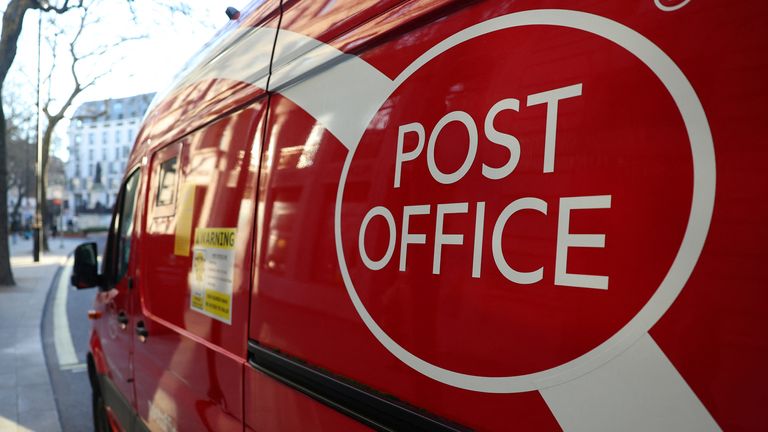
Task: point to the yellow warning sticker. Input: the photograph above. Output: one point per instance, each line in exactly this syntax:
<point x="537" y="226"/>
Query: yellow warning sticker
<point x="220" y="238"/>
<point x="212" y="277"/>
<point x="218" y="304"/>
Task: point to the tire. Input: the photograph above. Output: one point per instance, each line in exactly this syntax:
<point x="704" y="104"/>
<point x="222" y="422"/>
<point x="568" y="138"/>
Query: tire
<point x="98" y="407"/>
<point x="100" y="419"/>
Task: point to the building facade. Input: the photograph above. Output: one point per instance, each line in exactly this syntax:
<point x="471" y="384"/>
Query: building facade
<point x="101" y="135"/>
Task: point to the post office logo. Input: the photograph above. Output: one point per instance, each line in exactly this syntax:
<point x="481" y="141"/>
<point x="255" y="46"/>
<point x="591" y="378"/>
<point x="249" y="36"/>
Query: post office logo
<point x="527" y="203"/>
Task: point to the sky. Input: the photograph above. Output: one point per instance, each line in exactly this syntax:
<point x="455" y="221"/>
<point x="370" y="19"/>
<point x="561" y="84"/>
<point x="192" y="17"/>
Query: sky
<point x="134" y="67"/>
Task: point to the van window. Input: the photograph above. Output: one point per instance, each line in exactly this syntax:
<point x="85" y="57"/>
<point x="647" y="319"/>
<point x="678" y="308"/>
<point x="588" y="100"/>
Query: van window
<point x="166" y="187"/>
<point x="125" y="225"/>
<point x="167" y="171"/>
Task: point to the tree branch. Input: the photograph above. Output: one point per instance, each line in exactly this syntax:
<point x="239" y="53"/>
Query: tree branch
<point x="47" y="7"/>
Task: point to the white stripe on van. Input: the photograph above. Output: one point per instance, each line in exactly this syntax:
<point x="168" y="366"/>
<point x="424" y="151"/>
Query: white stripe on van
<point x="344" y="93"/>
<point x="639" y="390"/>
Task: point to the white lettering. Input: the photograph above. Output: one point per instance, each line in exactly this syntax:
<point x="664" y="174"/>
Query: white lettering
<point x="383" y="212"/>
<point x="502" y="139"/>
<point x="466" y="120"/>
<point x="401" y="157"/>
<point x="446" y="239"/>
<point x="551" y="98"/>
<point x="567" y="240"/>
<point x="408" y="238"/>
<point x="523" y="278"/>
<point x="477" y="252"/>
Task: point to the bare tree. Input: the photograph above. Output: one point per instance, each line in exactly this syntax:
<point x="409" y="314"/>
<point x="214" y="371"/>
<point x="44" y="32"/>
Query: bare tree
<point x="21" y="157"/>
<point x="55" y="112"/>
<point x="12" y="22"/>
<point x="13" y="18"/>
<point x="20" y="136"/>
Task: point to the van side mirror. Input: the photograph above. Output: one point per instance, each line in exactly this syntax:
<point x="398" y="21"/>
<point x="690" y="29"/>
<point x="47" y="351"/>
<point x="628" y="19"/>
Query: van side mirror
<point x="85" y="272"/>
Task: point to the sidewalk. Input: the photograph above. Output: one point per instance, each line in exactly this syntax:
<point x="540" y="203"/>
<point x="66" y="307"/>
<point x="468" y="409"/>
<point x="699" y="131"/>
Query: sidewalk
<point x="26" y="399"/>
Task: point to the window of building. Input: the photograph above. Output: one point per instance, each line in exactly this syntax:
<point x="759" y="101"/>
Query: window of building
<point x="104" y="137"/>
<point x="126" y="151"/>
<point x="117" y="153"/>
<point x="91" y="138"/>
<point x="90" y="155"/>
<point x="104" y="154"/>
<point x="117" y="136"/>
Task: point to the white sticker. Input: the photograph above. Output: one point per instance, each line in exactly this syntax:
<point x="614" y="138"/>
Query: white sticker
<point x="212" y="278"/>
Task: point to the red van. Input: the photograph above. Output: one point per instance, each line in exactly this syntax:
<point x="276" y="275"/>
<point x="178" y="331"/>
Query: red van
<point x="446" y="215"/>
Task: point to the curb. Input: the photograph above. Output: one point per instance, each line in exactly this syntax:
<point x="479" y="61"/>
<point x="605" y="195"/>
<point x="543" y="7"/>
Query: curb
<point x="47" y="345"/>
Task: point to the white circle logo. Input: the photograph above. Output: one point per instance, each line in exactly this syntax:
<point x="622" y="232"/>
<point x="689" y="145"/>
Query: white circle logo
<point x="702" y="151"/>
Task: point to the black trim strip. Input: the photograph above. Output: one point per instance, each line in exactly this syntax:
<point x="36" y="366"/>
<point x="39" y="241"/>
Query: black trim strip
<point x="364" y="405"/>
<point x="120" y="406"/>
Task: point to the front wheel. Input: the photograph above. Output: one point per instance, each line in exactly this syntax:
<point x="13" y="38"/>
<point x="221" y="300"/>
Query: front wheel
<point x="98" y="407"/>
<point x="100" y="418"/>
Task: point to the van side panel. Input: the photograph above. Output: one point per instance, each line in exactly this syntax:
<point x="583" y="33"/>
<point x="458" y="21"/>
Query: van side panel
<point x="538" y="215"/>
<point x="275" y="407"/>
<point x="300" y="306"/>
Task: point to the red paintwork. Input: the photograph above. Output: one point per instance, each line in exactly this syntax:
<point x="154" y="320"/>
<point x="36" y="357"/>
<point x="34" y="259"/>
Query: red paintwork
<point x="327" y="20"/>
<point x="272" y="405"/>
<point x="275" y="177"/>
<point x="98" y="354"/>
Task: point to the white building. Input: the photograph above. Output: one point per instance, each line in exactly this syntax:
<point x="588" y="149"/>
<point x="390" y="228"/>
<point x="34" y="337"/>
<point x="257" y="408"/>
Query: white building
<point x="101" y="135"/>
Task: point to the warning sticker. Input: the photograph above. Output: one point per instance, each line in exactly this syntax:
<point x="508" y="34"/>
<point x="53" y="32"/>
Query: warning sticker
<point x="211" y="279"/>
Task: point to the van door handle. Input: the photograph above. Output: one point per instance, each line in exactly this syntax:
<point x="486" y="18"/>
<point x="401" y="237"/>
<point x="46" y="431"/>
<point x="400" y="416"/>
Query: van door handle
<point x="122" y="319"/>
<point x="141" y="331"/>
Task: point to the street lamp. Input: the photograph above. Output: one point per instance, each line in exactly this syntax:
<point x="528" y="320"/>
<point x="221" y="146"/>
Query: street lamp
<point x="37" y="236"/>
<point x="38" y="224"/>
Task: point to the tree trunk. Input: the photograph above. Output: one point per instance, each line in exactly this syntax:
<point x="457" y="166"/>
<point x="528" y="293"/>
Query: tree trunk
<point x="6" y="274"/>
<point x="44" y="205"/>
<point x="13" y="17"/>
<point x="52" y="121"/>
<point x="44" y="185"/>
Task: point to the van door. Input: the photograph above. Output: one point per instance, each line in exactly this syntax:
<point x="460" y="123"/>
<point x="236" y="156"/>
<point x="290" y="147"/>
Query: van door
<point x="203" y="155"/>
<point x="115" y="327"/>
<point x="196" y="278"/>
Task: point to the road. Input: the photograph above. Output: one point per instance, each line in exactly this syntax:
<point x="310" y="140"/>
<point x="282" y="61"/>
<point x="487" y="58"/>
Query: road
<point x="65" y="334"/>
